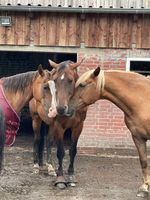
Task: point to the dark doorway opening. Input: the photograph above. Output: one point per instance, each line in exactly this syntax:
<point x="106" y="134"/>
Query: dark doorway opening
<point x="142" y="67"/>
<point x="18" y="62"/>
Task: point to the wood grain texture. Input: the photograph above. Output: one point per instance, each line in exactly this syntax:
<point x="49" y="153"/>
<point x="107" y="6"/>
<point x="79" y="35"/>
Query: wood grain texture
<point x="70" y="30"/>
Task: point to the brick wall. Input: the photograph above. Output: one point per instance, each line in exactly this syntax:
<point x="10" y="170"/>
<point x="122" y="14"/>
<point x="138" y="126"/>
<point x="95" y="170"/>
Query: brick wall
<point x="104" y="126"/>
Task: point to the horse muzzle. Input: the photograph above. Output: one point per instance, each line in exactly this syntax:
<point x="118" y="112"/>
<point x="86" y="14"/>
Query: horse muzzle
<point x="65" y="111"/>
<point x="50" y="111"/>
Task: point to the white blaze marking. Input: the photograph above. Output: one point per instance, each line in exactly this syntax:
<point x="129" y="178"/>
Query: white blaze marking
<point x="53" y="93"/>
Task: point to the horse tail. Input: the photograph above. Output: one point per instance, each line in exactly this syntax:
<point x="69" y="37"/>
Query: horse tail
<point x="2" y="136"/>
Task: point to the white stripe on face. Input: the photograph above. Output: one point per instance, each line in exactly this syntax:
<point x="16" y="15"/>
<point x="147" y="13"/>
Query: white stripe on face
<point x="53" y="93"/>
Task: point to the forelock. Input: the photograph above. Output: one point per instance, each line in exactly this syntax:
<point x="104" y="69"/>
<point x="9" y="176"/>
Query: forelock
<point x="84" y="77"/>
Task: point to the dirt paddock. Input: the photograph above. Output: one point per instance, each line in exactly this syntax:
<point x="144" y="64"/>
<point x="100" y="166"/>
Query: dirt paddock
<point x="102" y="177"/>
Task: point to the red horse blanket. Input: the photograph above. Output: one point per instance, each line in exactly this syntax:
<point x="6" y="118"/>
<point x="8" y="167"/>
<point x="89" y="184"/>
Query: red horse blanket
<point x="12" y="120"/>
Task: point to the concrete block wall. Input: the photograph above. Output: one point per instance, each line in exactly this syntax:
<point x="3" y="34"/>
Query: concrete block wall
<point x="104" y="126"/>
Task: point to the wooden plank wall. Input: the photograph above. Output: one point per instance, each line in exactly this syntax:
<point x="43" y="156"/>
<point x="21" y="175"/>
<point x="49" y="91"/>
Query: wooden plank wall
<point x="70" y="30"/>
<point x="113" y="31"/>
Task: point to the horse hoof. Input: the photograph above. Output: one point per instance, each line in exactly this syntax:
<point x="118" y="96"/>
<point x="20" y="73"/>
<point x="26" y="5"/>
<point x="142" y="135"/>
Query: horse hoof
<point x="71" y="181"/>
<point x="143" y="191"/>
<point x="52" y="173"/>
<point x="36" y="169"/>
<point x="72" y="184"/>
<point x="61" y="185"/>
<point x="143" y="194"/>
<point x="61" y="182"/>
<point x="51" y="170"/>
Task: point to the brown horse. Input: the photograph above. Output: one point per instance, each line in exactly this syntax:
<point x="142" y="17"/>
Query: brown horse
<point x="131" y="93"/>
<point x="15" y="92"/>
<point x="64" y="77"/>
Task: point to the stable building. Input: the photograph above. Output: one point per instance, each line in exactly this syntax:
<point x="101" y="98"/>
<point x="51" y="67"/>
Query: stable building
<point x="110" y="33"/>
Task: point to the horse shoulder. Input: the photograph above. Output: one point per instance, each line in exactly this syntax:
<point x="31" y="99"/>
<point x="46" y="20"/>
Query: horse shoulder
<point x="32" y="106"/>
<point x="138" y="124"/>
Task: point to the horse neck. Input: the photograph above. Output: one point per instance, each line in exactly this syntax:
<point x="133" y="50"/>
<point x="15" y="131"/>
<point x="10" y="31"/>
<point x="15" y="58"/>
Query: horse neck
<point x="19" y="99"/>
<point x="117" y="90"/>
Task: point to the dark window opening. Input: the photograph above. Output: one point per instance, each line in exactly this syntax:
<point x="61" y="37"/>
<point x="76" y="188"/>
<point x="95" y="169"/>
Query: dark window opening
<point x="142" y="67"/>
<point x="12" y="63"/>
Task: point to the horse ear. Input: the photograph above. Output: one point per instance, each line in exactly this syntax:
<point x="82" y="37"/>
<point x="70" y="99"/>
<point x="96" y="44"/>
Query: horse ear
<point x="75" y="65"/>
<point x="96" y="72"/>
<point x="40" y="70"/>
<point x="53" y="64"/>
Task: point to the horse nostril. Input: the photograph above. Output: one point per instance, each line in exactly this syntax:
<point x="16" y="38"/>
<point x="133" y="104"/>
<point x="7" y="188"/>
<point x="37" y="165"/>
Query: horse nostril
<point x="61" y="110"/>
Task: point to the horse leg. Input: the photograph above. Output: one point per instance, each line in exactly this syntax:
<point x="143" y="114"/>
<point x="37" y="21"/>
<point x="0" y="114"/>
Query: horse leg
<point x="142" y="150"/>
<point x="43" y="132"/>
<point x="36" y="124"/>
<point x="2" y="137"/>
<point x="49" y="143"/>
<point x="60" y="182"/>
<point x="72" y="153"/>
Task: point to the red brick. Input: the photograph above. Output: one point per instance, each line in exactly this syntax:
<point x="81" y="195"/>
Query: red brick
<point x="104" y="125"/>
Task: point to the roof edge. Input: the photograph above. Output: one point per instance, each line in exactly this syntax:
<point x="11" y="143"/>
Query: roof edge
<point x="21" y="8"/>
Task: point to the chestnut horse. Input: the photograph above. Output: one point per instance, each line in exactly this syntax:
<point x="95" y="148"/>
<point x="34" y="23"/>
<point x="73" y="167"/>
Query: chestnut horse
<point x="64" y="78"/>
<point x="15" y="92"/>
<point x="131" y="93"/>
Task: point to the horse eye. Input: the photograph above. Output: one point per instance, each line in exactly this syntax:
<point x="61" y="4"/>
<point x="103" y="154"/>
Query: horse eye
<point x="82" y="85"/>
<point x="46" y="87"/>
<point x="70" y="80"/>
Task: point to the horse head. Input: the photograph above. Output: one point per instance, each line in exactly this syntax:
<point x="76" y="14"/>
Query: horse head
<point x="87" y="89"/>
<point x="40" y="86"/>
<point x="64" y="79"/>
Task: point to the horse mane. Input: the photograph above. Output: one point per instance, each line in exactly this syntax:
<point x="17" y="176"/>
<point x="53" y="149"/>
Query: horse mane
<point x="19" y="82"/>
<point x="101" y="78"/>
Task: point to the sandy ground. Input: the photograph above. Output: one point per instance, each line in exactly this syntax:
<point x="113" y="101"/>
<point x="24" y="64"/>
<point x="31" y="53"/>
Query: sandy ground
<point x="102" y="177"/>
